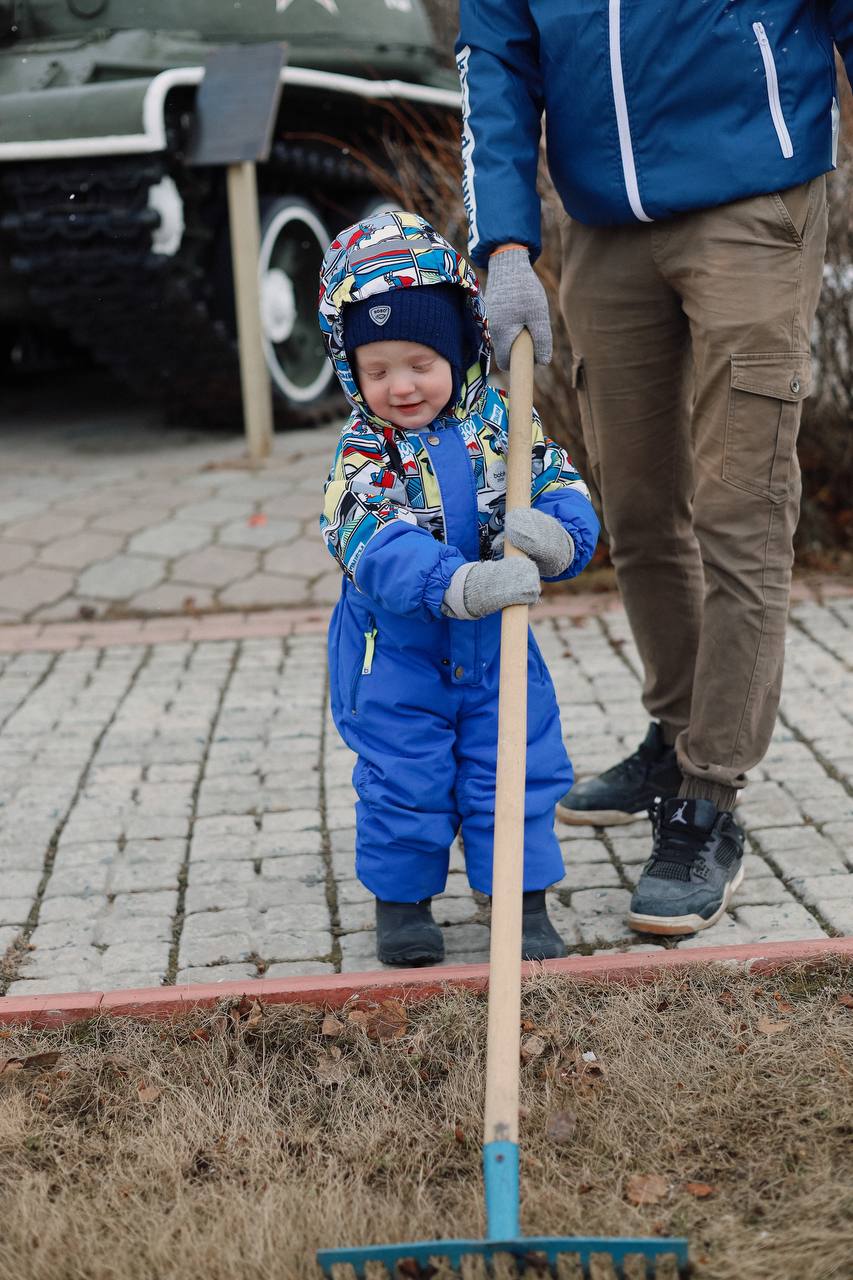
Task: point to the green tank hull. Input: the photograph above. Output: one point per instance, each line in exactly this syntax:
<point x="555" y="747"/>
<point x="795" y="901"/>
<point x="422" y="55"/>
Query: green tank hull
<point x="107" y="234"/>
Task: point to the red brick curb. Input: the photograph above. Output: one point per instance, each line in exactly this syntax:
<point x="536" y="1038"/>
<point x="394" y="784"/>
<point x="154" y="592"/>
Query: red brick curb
<point x="61" y="636"/>
<point x="406" y="984"/>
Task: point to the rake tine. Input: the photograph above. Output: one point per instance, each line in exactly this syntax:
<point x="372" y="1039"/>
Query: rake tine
<point x="473" y="1267"/>
<point x="569" y="1267"/>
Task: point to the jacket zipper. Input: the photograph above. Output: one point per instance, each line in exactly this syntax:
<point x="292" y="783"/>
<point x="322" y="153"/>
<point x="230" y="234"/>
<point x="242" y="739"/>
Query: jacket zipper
<point x="623" y="124"/>
<point x="366" y="662"/>
<point x="773" y="91"/>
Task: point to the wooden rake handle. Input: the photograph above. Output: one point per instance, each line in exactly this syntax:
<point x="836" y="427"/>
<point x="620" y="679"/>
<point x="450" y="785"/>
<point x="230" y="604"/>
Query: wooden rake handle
<point x="503" y="1043"/>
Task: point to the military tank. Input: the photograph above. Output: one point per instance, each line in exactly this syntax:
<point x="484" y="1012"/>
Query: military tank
<point x="109" y="236"/>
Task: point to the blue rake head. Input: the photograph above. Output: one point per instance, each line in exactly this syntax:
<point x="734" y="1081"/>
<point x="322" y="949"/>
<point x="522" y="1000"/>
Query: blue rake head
<point x="564" y="1258"/>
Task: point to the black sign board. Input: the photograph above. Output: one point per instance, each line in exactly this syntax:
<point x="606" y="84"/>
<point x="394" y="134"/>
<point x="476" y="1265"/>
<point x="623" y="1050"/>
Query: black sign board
<point x="236" y="104"/>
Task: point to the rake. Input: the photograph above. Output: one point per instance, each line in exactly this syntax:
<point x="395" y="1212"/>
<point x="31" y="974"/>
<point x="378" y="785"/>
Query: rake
<point x="505" y="1253"/>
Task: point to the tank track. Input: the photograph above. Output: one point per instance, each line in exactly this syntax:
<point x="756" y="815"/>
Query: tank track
<point x="80" y="236"/>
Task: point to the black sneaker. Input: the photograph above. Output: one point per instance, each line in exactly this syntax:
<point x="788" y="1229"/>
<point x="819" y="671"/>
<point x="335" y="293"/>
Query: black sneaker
<point x="624" y="792"/>
<point x="539" y="938"/>
<point x="407" y="935"/>
<point x="695" y="867"/>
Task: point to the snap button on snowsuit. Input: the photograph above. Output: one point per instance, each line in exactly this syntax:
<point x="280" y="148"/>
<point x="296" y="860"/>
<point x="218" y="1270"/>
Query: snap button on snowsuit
<point x="433" y="440"/>
<point x="795" y="385"/>
<point x="459" y="672"/>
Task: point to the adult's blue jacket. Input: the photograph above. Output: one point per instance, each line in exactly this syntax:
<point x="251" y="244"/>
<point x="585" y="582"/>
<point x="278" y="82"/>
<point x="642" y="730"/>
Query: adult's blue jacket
<point x="650" y="108"/>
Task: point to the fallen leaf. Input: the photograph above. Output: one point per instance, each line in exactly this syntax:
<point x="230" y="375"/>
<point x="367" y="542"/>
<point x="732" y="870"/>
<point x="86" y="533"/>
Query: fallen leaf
<point x="726" y="999"/>
<point x="768" y="1027"/>
<point x="33" y="1062"/>
<point x="148" y="1093"/>
<point x="256" y="1016"/>
<point x="257" y="519"/>
<point x="560" y="1126"/>
<point x="699" y="1189"/>
<point x="459" y="1133"/>
<point x="846" y="1000"/>
<point x="532" y="1047"/>
<point x="781" y="1003"/>
<point x="646" y="1188"/>
<point x="359" y="1017"/>
<point x="332" y="1026"/>
<point x="331" y="1069"/>
<point x="389" y="1022"/>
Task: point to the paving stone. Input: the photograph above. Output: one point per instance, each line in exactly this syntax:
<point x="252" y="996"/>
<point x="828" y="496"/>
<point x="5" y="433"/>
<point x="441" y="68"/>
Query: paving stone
<point x="150" y="903"/>
<point x="783" y="922"/>
<point x="581" y="850"/>
<point x="590" y="875"/>
<point x="32" y="587"/>
<point x="314" y="945"/>
<point x="8" y="934"/>
<point x="80" y="550"/>
<point x="120" y="577"/>
<point x="222" y="949"/>
<point x="172" y="597"/>
<point x="21" y="884"/>
<point x="766" y="804"/>
<point x="43" y="528"/>
<point x="258" y="537"/>
<point x="726" y="932"/>
<point x="812" y="860"/>
<point x="128" y="877"/>
<point x="80" y="911"/>
<point x="298" y="969"/>
<point x="303" y="558"/>
<point x="601" y="914"/>
<point x="838" y="913"/>
<point x="170" y="539"/>
<point x="14" y="555"/>
<point x="815" y="889"/>
<point x="218" y="973"/>
<point x="470" y="938"/>
<point x="140" y="957"/>
<point x="761" y="891"/>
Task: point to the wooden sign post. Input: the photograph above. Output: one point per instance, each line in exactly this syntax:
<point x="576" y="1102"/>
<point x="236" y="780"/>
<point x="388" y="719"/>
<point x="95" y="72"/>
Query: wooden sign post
<point x="236" y="109"/>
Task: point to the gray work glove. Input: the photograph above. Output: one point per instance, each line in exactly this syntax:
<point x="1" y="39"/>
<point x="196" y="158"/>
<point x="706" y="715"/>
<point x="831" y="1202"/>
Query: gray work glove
<point x="485" y="586"/>
<point x="516" y="300"/>
<point x="540" y="536"/>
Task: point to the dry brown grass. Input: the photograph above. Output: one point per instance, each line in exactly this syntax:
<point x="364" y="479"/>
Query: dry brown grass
<point x="236" y="1144"/>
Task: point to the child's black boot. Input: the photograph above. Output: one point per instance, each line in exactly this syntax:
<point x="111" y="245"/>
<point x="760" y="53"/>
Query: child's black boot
<point x="406" y="934"/>
<point x="539" y="938"/>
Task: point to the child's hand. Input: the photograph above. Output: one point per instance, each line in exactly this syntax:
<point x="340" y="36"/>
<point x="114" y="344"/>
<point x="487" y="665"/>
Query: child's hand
<point x="490" y="585"/>
<point x="542" y="538"/>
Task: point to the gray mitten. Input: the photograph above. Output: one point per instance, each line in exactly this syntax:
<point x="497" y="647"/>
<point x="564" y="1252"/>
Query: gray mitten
<point x="542" y="538"/>
<point x="516" y="300"/>
<point x="485" y="586"/>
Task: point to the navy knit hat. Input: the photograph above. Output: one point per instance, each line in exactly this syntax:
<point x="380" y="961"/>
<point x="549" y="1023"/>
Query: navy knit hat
<point x="435" y="315"/>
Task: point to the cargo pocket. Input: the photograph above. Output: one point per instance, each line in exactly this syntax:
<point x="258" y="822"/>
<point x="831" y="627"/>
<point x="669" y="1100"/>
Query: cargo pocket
<point x="587" y="423"/>
<point x="767" y="391"/>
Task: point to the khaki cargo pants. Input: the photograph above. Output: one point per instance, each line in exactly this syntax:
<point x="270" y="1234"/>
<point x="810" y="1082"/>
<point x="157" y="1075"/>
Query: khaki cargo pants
<point x="690" y="343"/>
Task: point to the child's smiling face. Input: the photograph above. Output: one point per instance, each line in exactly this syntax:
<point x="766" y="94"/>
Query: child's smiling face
<point x="404" y="382"/>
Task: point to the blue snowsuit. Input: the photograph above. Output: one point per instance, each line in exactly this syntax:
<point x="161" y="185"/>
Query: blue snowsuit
<point x="413" y="692"/>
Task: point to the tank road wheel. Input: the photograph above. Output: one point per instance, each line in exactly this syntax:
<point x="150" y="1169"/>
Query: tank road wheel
<point x="293" y="241"/>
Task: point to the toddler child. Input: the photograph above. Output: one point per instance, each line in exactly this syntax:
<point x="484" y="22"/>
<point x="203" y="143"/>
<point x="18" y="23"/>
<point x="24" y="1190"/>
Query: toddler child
<point x="414" y="514"/>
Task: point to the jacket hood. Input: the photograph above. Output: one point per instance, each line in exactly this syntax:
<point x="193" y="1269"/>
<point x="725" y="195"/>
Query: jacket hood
<point x="397" y="250"/>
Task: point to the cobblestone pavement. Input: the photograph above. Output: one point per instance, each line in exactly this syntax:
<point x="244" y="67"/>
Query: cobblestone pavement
<point x="183" y="811"/>
<point x="106" y="511"/>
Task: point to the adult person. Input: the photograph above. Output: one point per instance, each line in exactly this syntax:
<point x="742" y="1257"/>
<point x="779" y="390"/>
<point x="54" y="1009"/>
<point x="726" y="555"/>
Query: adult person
<point x="688" y="142"/>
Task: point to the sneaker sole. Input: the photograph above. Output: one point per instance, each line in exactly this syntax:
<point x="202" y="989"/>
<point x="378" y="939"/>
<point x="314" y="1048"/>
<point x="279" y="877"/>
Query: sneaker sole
<point x="671" y="926"/>
<point x="598" y="817"/>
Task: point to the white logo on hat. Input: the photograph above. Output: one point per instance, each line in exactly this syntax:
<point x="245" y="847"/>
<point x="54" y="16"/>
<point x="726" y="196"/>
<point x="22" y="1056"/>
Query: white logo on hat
<point x="379" y="315"/>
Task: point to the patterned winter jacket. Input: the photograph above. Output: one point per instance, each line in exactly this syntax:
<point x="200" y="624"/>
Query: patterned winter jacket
<point x="404" y="509"/>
